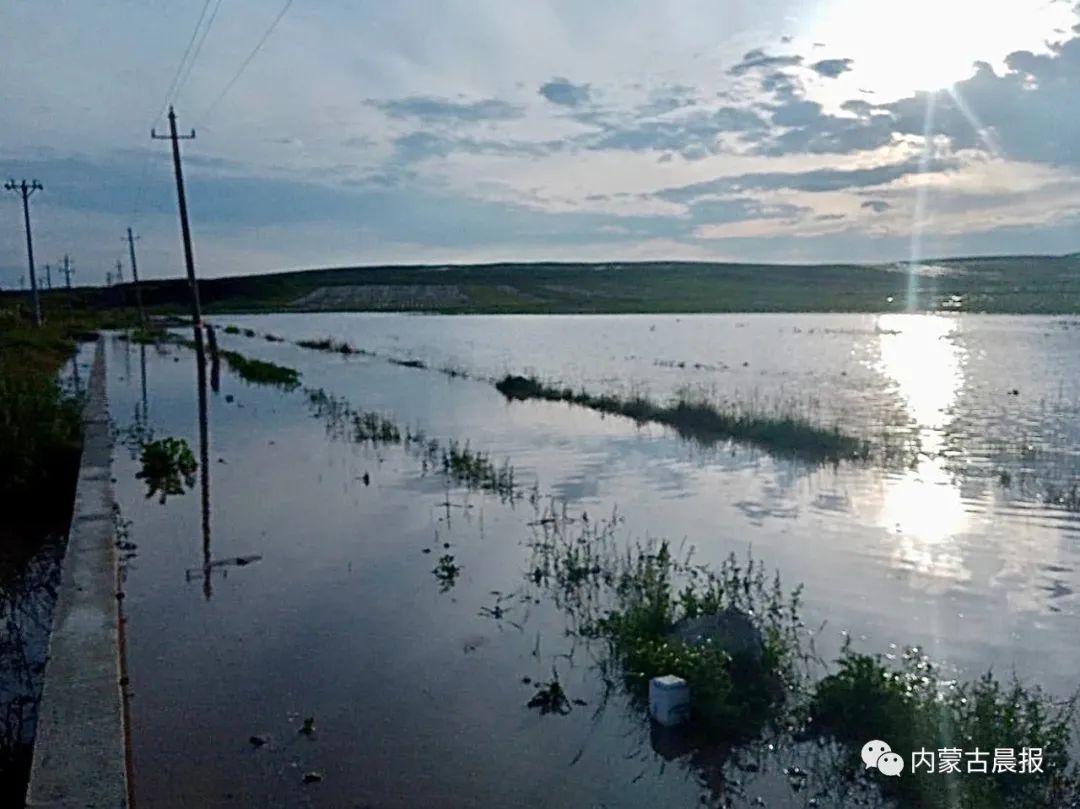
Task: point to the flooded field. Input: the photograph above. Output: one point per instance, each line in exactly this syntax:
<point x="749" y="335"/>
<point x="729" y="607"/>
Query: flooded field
<point x="367" y="550"/>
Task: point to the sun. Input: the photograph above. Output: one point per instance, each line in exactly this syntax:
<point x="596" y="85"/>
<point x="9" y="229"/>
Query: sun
<point x="902" y="47"/>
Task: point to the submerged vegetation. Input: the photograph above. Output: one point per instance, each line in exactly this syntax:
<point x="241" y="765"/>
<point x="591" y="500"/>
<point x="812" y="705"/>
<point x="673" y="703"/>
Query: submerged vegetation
<point x="331" y="345"/>
<point x="475" y="470"/>
<point x="260" y="372"/>
<point x="739" y="641"/>
<point x="704" y="421"/>
<point x="168" y="467"/>
<point x="645" y="603"/>
<point x="915" y="710"/>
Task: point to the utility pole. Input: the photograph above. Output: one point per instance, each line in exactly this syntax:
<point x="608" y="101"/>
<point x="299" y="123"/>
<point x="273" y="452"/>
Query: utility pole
<point x="67" y="270"/>
<point x="26" y="190"/>
<point x="48" y="276"/>
<point x="119" y="271"/>
<point x="185" y="227"/>
<point x="135" y="277"/>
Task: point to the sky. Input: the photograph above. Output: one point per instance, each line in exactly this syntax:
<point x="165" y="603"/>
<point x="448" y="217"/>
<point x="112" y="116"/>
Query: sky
<point x="456" y="131"/>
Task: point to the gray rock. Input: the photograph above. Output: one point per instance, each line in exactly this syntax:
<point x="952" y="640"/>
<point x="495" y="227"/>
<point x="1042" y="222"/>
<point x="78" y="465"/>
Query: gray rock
<point x="731" y="630"/>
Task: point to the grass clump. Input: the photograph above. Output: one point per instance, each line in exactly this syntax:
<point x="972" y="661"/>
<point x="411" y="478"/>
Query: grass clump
<point x="260" y="372"/>
<point x="343" y="421"/>
<point x="232" y="329"/>
<point x="638" y="600"/>
<point x="911" y="709"/>
<point x="704" y="421"/>
<point x="168" y="467"/>
<point x="476" y="469"/>
<point x="331" y="345"/>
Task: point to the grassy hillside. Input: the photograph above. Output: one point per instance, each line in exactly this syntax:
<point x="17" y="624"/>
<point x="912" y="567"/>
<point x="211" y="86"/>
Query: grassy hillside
<point x="1016" y="284"/>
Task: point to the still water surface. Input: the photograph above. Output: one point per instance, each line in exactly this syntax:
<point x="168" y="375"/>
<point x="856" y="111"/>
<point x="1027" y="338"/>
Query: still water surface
<point x="417" y="688"/>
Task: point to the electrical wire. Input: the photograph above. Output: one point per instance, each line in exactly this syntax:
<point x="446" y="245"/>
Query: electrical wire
<point x="198" y="47"/>
<point x="183" y="59"/>
<point x="254" y="51"/>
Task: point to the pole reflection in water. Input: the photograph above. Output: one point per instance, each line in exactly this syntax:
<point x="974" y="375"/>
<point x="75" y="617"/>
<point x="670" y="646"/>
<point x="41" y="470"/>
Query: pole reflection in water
<point x="204" y="465"/>
<point x="215" y="359"/>
<point x="142" y="380"/>
<point x="76" y="383"/>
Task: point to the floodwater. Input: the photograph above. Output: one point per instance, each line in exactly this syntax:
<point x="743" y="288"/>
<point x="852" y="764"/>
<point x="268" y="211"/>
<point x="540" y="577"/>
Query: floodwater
<point x="291" y="587"/>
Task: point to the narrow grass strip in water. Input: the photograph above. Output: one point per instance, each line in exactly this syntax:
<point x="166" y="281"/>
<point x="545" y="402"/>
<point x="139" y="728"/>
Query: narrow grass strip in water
<point x="703" y="421"/>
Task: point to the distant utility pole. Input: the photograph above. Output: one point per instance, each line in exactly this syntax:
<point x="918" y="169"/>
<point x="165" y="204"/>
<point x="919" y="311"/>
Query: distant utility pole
<point x="108" y="278"/>
<point x="119" y="271"/>
<point x="185" y="227"/>
<point x="67" y="270"/>
<point x="135" y="276"/>
<point x="48" y="276"/>
<point x="26" y="190"/>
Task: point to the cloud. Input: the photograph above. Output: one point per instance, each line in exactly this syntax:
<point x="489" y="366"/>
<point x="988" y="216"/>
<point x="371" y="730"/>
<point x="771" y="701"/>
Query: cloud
<point x="1024" y="113"/>
<point x="565" y="93"/>
<point x="693" y="136"/>
<point x="815" y="181"/>
<point x="432" y="109"/>
<point x="757" y="59"/>
<point x="876" y="205"/>
<point x="831" y="68"/>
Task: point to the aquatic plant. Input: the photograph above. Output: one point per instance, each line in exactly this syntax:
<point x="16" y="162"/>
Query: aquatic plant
<point x="910" y="707"/>
<point x="476" y="470"/>
<point x="168" y="467"/>
<point x="260" y="372"/>
<point x="447" y="572"/>
<point x="459" y="462"/>
<point x="550" y="698"/>
<point x="703" y="421"/>
<point x="332" y="345"/>
<point x="232" y="329"/>
<point x="637" y="599"/>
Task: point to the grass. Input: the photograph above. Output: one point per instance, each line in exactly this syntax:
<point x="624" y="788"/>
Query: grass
<point x="260" y="372"/>
<point x="40" y="426"/>
<point x="475" y="470"/>
<point x="331" y="345"/>
<point x="703" y="421"/>
<point x="168" y="467"/>
<point x="344" y="422"/>
<point x="1012" y="284"/>
<point x="910" y="708"/>
<point x="632" y="599"/>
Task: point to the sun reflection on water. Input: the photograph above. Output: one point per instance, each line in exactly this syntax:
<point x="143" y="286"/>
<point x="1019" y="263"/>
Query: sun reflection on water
<point x="922" y="505"/>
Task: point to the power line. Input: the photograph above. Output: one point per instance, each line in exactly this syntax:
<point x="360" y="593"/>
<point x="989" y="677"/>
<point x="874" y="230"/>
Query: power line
<point x="247" y="61"/>
<point x="183" y="59"/>
<point x="198" y="47"/>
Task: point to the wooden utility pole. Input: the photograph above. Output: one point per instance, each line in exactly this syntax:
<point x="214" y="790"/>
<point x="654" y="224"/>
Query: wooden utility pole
<point x="48" y="276"/>
<point x="135" y="277"/>
<point x="26" y="190"/>
<point x="185" y="227"/>
<point x="119" y="271"/>
<point x="67" y="270"/>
